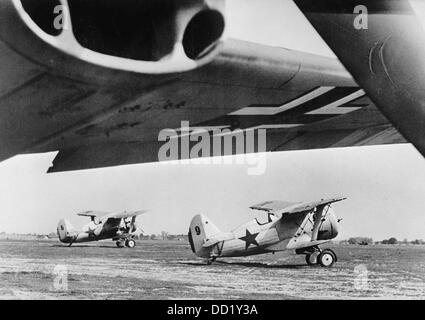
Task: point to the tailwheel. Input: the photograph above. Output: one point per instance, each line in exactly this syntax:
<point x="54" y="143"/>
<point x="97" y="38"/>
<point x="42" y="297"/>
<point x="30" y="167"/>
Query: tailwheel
<point x="130" y="243"/>
<point x="327" y="258"/>
<point x="311" y="258"/>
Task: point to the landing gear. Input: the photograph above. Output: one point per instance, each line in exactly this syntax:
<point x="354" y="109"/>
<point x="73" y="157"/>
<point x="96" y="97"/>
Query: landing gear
<point x="311" y="258"/>
<point x="327" y="258"/>
<point x="315" y="256"/>
<point x="211" y="260"/>
<point x="130" y="243"/>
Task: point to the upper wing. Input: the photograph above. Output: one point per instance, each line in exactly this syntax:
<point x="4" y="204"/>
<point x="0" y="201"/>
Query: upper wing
<point x="308" y="206"/>
<point x="115" y="219"/>
<point x="97" y="116"/>
<point x="92" y="213"/>
<point x="285" y="208"/>
<point x="382" y="43"/>
<point x="120" y="215"/>
<point x="127" y="214"/>
<point x="272" y="206"/>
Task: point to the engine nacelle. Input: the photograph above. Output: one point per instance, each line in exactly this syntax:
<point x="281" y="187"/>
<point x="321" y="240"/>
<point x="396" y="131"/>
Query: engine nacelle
<point x="144" y="36"/>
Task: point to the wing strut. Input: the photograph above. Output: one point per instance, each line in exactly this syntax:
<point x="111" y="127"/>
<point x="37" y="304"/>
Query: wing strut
<point x="318" y="221"/>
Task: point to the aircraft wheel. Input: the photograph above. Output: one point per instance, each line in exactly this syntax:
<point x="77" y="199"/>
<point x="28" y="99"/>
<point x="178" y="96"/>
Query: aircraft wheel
<point x="130" y="243"/>
<point x="326" y="258"/>
<point x="334" y="254"/>
<point x="120" y="244"/>
<point x="311" y="258"/>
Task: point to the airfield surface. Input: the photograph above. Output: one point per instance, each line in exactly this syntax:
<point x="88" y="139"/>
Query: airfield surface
<point x="168" y="270"/>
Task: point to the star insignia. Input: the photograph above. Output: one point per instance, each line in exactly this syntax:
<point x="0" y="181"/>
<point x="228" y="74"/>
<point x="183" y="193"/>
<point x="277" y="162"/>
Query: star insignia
<point x="250" y="239"/>
<point x="91" y="233"/>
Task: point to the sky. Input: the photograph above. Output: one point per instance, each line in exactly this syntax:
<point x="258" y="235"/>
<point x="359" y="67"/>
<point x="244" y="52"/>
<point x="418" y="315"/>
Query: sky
<point x="273" y="22"/>
<point x="384" y="184"/>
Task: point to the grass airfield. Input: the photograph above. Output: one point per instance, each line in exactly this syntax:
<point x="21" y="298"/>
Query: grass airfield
<point x="169" y="270"/>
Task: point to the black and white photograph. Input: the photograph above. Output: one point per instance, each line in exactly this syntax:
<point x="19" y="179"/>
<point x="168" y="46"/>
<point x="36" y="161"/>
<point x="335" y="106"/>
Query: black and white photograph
<point x="212" y="150"/>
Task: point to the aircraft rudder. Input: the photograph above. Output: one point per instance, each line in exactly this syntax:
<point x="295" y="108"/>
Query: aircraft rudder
<point x="65" y="230"/>
<point x="201" y="228"/>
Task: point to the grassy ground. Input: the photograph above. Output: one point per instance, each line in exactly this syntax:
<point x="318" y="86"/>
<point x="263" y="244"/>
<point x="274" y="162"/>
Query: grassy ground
<point x="168" y="270"/>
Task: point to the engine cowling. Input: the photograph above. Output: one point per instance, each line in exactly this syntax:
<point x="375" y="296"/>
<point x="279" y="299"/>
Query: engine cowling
<point x="144" y="36"/>
<point x="330" y="225"/>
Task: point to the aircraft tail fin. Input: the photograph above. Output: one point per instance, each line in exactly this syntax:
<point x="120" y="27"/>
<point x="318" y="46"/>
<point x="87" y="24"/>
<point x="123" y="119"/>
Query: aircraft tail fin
<point x="201" y="229"/>
<point x="66" y="231"/>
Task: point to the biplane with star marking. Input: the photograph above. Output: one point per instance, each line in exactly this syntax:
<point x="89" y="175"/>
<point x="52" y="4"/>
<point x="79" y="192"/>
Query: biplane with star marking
<point x="120" y="227"/>
<point x="302" y="227"/>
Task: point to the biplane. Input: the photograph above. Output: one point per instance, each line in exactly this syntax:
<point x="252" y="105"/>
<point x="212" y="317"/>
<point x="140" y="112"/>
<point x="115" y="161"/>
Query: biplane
<point x="120" y="227"/>
<point x="302" y="227"/>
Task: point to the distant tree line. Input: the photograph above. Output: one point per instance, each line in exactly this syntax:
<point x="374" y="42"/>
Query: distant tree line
<point x="417" y="241"/>
<point x="390" y="241"/>
<point x="360" y="241"/>
<point x="405" y="241"/>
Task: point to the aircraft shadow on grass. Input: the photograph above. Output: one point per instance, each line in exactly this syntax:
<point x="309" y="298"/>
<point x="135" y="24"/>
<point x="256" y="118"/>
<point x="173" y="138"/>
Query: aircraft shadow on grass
<point x="82" y="246"/>
<point x="250" y="265"/>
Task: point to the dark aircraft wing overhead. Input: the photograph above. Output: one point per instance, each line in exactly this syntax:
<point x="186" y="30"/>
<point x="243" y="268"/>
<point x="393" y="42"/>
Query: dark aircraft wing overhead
<point x="384" y="49"/>
<point x="96" y="116"/>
